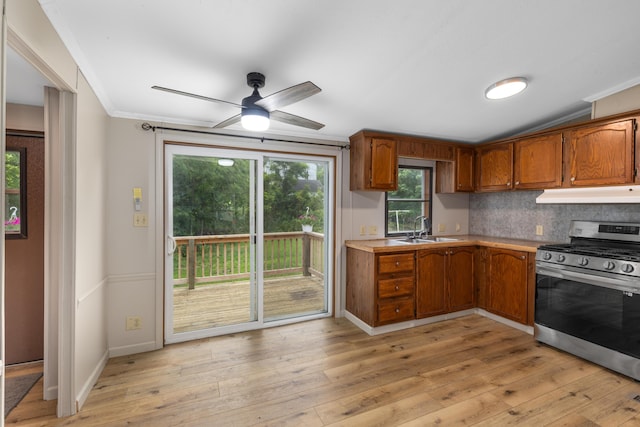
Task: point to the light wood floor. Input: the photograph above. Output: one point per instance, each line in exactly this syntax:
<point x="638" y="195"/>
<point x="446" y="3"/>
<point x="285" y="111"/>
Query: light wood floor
<point x="467" y="371"/>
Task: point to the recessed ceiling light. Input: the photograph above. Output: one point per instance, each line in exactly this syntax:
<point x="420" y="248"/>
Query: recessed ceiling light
<point x="506" y="88"/>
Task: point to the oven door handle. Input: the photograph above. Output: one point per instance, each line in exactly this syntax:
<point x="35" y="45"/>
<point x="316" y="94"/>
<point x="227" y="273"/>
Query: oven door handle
<point x="588" y="278"/>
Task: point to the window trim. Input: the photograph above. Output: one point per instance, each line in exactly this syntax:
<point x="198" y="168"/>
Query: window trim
<point x="427" y="198"/>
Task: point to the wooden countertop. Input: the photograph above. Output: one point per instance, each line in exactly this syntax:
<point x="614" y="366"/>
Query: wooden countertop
<point x="393" y="245"/>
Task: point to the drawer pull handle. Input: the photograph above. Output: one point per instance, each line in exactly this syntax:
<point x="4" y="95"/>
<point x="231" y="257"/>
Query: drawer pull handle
<point x="397" y="309"/>
<point x="397" y="263"/>
<point x="397" y="288"/>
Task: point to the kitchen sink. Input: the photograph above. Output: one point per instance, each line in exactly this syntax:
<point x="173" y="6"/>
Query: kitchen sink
<point x="410" y="240"/>
<point x="428" y="240"/>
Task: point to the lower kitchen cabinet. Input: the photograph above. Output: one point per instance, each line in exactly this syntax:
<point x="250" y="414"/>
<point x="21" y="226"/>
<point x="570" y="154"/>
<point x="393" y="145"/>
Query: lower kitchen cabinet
<point x="381" y="287"/>
<point x="444" y="281"/>
<point x="504" y="283"/>
<point x="389" y="287"/>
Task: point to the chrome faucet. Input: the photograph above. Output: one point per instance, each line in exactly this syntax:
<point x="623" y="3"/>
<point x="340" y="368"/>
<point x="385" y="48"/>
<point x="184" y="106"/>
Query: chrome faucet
<point x="422" y="219"/>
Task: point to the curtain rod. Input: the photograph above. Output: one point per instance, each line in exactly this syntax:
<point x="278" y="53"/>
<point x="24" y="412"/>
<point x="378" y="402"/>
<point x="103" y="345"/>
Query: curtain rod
<point x="148" y="126"/>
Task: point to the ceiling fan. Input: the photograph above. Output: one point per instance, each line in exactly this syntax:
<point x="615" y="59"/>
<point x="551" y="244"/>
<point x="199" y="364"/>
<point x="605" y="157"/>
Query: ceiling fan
<point x="256" y="110"/>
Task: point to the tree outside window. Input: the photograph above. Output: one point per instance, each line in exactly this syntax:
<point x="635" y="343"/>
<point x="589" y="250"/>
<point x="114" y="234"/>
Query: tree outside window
<point x="410" y="200"/>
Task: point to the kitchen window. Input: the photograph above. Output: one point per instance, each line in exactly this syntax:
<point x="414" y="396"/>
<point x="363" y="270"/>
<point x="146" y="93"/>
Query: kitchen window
<point x="411" y="200"/>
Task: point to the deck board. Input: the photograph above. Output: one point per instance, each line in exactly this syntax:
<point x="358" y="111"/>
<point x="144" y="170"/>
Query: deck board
<point x="215" y="305"/>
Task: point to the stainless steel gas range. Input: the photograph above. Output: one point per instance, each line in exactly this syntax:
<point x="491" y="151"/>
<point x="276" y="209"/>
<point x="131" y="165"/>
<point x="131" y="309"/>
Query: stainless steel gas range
<point x="588" y="295"/>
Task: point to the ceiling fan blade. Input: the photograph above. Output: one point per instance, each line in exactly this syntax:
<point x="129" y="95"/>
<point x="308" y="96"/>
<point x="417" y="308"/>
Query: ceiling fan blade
<point x="288" y="96"/>
<point x="292" y="119"/>
<point x="193" y="95"/>
<point x="230" y="121"/>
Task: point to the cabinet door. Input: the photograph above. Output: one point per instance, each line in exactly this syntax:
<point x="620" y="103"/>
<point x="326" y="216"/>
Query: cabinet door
<point x="460" y="273"/>
<point x="431" y="283"/>
<point x="384" y="164"/>
<point x="601" y="155"/>
<point x="465" y="157"/>
<point x="495" y="167"/>
<point x="538" y="162"/>
<point x="508" y="284"/>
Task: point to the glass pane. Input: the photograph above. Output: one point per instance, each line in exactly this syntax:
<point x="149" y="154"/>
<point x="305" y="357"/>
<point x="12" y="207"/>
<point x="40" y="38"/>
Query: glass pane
<point x="294" y="244"/>
<point x="402" y="214"/>
<point x="213" y="270"/>
<point x="410" y="184"/>
<point x="15" y="202"/>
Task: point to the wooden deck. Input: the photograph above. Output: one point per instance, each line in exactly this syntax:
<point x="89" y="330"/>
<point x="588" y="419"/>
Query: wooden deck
<point x="222" y="304"/>
<point x="326" y="372"/>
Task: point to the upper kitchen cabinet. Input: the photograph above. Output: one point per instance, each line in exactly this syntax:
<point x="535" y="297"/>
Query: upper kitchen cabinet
<point x="495" y="167"/>
<point x="538" y="162"/>
<point x="456" y="176"/>
<point x="600" y="154"/>
<point x="374" y="162"/>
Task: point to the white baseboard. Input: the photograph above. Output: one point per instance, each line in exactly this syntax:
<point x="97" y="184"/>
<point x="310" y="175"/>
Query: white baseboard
<point x="371" y="330"/>
<point x="91" y="381"/>
<point x="126" y="350"/>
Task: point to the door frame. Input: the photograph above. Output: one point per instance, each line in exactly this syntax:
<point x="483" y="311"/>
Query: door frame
<point x="235" y="141"/>
<point x="60" y="143"/>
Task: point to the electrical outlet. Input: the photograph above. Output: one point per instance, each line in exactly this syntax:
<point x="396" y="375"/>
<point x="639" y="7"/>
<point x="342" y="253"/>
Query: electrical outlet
<point x="539" y="230"/>
<point x="442" y="228"/>
<point x="363" y="230"/>
<point x="458" y="228"/>
<point x="133" y="322"/>
<point x="373" y="230"/>
<point x="140" y="220"/>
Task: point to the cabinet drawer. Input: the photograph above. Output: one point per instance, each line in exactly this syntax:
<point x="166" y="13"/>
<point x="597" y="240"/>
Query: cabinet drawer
<point x="396" y="310"/>
<point x="389" y="288"/>
<point x="395" y="263"/>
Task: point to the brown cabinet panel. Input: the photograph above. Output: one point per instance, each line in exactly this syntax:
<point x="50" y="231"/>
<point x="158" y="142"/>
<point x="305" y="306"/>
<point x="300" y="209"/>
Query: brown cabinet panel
<point x="464" y="177"/>
<point x="444" y="281"/>
<point x="461" y="286"/>
<point x="410" y="148"/>
<point x="373" y="162"/>
<point x="538" y="162"/>
<point x="395" y="310"/>
<point x="600" y="154"/>
<point x="396" y="263"/>
<point x="457" y="176"/>
<point x="495" y="167"/>
<point x="380" y="287"/>
<point x="391" y="288"/>
<point x="431" y="282"/>
<point x="507" y="282"/>
<point x="360" y="292"/>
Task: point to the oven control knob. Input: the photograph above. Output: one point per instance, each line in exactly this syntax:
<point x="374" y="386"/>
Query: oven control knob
<point x="627" y="268"/>
<point x="546" y="256"/>
<point x="583" y="261"/>
<point x="560" y="258"/>
<point x="609" y="265"/>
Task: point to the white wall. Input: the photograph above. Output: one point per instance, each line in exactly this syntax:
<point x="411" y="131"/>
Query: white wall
<point x="131" y="250"/>
<point x="621" y="102"/>
<point x="91" y="261"/>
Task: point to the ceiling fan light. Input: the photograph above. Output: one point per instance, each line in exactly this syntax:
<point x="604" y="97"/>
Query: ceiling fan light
<point x="255" y="119"/>
<point x="506" y="88"/>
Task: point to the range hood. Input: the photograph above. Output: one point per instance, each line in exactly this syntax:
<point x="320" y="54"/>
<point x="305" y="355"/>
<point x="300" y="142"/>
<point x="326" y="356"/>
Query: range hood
<point x="615" y="194"/>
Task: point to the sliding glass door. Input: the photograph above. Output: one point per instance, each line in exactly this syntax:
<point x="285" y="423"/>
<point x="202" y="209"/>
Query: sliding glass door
<point x="246" y="240"/>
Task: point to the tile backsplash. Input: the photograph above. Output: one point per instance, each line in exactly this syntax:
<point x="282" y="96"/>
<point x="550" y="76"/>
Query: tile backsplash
<point x="515" y="214"/>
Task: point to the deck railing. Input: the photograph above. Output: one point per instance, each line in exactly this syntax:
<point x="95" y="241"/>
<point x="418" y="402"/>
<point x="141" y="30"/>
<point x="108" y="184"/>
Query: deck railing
<point x="207" y="259"/>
